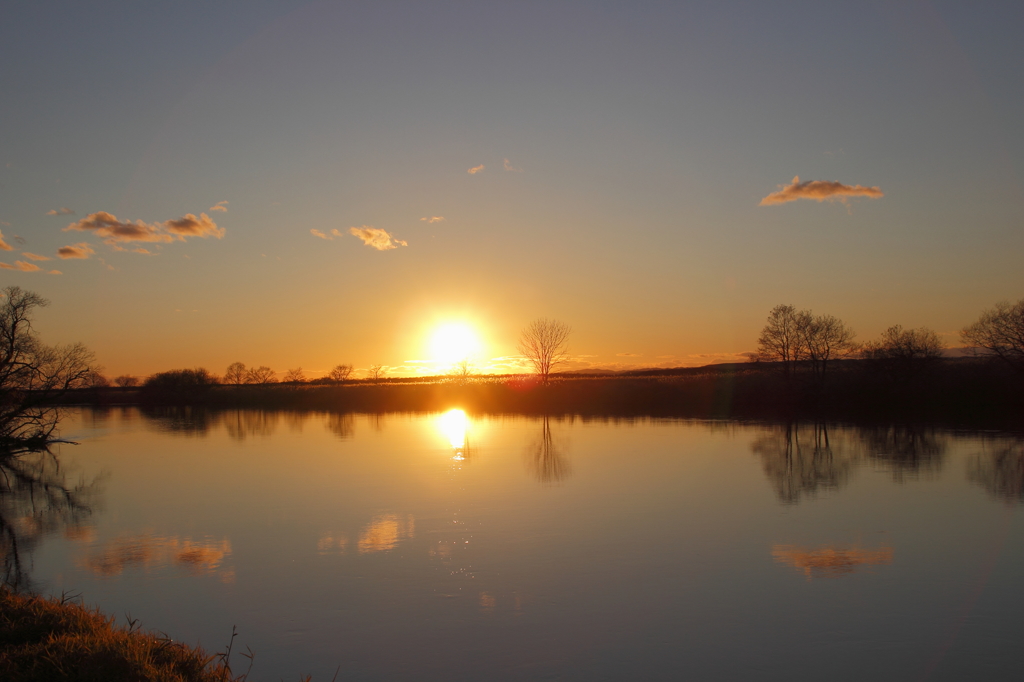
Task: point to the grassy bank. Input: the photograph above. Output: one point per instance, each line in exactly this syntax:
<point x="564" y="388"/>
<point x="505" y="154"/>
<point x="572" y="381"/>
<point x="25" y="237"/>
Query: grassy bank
<point x="48" y="639"/>
<point x="967" y="392"/>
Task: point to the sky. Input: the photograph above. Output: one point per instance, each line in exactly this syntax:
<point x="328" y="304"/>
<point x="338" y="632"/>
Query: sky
<point x="303" y="184"/>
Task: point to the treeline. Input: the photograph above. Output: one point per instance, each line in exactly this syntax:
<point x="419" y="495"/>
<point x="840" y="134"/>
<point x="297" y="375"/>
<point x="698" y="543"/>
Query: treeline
<point x="954" y="391"/>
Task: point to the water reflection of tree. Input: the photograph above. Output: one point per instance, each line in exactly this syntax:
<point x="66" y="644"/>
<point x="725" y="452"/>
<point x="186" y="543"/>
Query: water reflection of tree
<point x="35" y="501"/>
<point x="182" y="421"/>
<point x="341" y="425"/>
<point x="546" y="458"/>
<point x="802" y="459"/>
<point x="906" y="451"/>
<point x="242" y="424"/>
<point x="1000" y="471"/>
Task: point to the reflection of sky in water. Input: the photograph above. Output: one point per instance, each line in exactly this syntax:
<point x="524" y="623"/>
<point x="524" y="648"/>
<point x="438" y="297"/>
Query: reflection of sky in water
<point x="157" y="552"/>
<point x="358" y="539"/>
<point x="830" y="562"/>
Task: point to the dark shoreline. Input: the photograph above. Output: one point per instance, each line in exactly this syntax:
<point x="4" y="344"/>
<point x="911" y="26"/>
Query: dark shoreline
<point x="962" y="393"/>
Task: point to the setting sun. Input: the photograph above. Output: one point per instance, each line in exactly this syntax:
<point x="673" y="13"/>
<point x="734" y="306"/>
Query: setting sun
<point x="454" y="342"/>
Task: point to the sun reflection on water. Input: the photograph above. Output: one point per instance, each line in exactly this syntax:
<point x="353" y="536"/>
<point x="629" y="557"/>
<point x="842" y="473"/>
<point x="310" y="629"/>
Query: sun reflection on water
<point x="454" y="424"/>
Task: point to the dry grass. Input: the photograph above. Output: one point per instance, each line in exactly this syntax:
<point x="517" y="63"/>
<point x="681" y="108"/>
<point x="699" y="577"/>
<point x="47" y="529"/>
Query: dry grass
<point x="57" y="639"/>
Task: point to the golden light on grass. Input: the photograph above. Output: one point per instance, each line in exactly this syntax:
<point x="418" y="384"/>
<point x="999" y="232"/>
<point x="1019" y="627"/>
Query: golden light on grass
<point x="454" y="341"/>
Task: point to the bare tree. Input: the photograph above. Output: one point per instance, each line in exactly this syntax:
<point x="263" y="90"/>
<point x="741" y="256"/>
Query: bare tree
<point x="235" y="374"/>
<point x="95" y="379"/>
<point x="376" y="372"/>
<point x="825" y="338"/>
<point x="904" y="352"/>
<point x="33" y="375"/>
<point x="461" y="371"/>
<point x="544" y="342"/>
<point x="792" y="336"/>
<point x="339" y="373"/>
<point x="295" y="375"/>
<point x="781" y="338"/>
<point x="126" y="381"/>
<point x="260" y="375"/>
<point x="1000" y="331"/>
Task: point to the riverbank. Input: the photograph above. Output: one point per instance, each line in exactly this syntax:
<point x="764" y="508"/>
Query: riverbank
<point x="972" y="393"/>
<point x="52" y="639"/>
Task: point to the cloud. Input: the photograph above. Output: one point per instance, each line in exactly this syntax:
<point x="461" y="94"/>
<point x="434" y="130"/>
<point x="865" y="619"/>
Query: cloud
<point x="510" y="167"/>
<point x="114" y="231"/>
<point x="376" y="237"/>
<point x="191" y="226"/>
<point x="34" y="256"/>
<point x="55" y="272"/>
<point x="328" y="236"/>
<point x="628" y="355"/>
<point x="433" y="219"/>
<point x="475" y="169"/>
<point x="80" y="250"/>
<point x="819" y="190"/>
<point x="20" y="265"/>
<point x="5" y="223"/>
<point x="220" y="206"/>
<point x="4" y="245"/>
<point x="60" y="211"/>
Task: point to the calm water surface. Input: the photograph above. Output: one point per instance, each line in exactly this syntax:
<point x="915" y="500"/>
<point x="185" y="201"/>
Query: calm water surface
<point x="441" y="547"/>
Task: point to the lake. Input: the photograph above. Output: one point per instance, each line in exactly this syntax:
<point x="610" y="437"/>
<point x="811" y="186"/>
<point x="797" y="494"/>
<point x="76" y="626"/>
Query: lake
<point x="453" y="547"/>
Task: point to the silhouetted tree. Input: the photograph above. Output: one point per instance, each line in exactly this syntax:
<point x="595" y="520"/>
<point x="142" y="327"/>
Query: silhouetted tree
<point x="126" y="381"/>
<point x="260" y="375"/>
<point x="824" y="338"/>
<point x="1000" y="330"/>
<point x="781" y="339"/>
<point x="295" y="375"/>
<point x="544" y="343"/>
<point x="340" y="373"/>
<point x="461" y="371"/>
<point x="376" y="372"/>
<point x="95" y="379"/>
<point x="904" y="352"/>
<point x="791" y="336"/>
<point x="235" y="373"/>
<point x="32" y="375"/>
<point x="180" y="380"/>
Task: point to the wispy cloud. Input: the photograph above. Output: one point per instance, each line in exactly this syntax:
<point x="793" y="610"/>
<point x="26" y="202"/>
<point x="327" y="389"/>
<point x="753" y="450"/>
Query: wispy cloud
<point x="220" y="206"/>
<point x="34" y="256"/>
<point x="4" y="245"/>
<point x="20" y="265"/>
<point x="629" y="355"/>
<point x="60" y="211"/>
<point x="819" y="190"/>
<point x="55" y="272"/>
<point x="80" y="250"/>
<point x="510" y="167"/>
<point x="433" y="219"/>
<point x="376" y="238"/>
<point x="327" y="235"/>
<point x="475" y="169"/>
<point x="113" y="231"/>
<point x="5" y="223"/>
